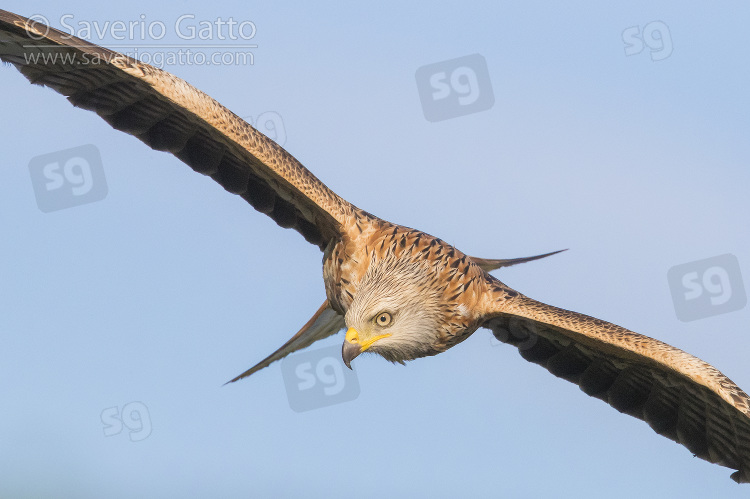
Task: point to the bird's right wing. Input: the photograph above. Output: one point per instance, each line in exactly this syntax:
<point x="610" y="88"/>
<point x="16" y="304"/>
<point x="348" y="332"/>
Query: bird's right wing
<point x="170" y="115"/>
<point x="680" y="396"/>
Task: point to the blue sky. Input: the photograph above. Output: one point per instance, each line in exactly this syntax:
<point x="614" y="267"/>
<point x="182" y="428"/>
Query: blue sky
<point x="169" y="286"/>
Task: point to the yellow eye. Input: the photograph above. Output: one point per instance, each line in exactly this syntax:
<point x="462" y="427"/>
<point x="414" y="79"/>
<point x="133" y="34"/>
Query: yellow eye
<point x="383" y="319"/>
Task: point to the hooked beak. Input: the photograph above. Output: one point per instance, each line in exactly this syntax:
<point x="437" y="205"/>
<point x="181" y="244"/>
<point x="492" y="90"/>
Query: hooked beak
<point x="352" y="346"/>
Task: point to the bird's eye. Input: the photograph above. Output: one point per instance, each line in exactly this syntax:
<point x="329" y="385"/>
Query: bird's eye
<point x="383" y="319"/>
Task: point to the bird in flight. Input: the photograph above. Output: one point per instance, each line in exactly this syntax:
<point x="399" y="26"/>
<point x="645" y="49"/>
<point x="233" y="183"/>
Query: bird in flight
<point x="400" y="293"/>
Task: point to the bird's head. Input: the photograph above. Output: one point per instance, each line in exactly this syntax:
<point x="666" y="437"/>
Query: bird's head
<point x="397" y="312"/>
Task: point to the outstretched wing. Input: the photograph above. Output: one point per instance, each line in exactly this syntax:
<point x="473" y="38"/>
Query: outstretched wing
<point x="680" y="396"/>
<point x="168" y="114"/>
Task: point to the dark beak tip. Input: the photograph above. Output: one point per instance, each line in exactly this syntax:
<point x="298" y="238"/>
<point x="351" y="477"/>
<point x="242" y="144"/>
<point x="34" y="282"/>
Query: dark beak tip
<point x="349" y="351"/>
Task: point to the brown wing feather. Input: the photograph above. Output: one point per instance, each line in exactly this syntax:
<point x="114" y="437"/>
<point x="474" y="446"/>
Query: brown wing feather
<point x="680" y="396"/>
<point x="170" y="115"/>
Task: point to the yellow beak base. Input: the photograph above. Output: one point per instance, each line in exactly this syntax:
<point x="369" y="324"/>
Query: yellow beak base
<point x="353" y="347"/>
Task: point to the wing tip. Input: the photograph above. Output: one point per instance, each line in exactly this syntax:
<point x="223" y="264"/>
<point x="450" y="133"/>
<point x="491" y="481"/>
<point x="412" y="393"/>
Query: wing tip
<point x="741" y="476"/>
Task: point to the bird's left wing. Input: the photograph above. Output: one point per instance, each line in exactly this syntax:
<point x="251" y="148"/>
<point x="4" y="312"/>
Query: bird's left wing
<point x="170" y="115"/>
<point x="680" y="396"/>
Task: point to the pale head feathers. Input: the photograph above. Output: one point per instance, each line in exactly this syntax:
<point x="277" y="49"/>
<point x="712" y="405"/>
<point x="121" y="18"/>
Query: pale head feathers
<point x="409" y="291"/>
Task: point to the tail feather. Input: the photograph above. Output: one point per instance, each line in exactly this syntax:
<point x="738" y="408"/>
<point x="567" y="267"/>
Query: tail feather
<point x="489" y="264"/>
<point x="324" y="323"/>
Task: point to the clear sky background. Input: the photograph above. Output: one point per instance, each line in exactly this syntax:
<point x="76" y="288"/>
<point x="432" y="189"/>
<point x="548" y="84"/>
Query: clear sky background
<point x="170" y="286"/>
